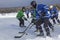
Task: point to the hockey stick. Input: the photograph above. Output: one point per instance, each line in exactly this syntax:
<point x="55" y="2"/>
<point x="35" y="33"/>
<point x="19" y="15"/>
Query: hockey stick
<point x="25" y="30"/>
<point x="22" y="34"/>
<point x="29" y="27"/>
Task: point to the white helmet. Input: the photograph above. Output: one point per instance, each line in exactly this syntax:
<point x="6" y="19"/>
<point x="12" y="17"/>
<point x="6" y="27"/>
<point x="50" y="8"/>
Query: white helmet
<point x="51" y="6"/>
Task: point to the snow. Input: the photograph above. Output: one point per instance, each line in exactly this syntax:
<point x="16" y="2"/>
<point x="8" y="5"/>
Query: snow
<point x="8" y="15"/>
<point x="9" y="27"/>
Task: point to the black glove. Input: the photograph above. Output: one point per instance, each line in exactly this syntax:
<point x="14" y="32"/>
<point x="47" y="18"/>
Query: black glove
<point x="25" y="19"/>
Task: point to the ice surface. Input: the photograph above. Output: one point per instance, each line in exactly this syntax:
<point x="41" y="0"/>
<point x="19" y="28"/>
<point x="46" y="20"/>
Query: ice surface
<point x="9" y="28"/>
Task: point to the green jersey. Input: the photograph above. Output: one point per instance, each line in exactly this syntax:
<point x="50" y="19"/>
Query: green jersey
<point x="20" y="14"/>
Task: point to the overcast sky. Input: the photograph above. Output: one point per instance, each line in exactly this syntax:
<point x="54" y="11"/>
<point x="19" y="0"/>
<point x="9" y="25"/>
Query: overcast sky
<point x="17" y="3"/>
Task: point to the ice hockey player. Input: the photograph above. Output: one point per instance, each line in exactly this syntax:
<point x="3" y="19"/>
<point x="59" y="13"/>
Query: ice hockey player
<point x="54" y="14"/>
<point x="27" y="12"/>
<point x="43" y="17"/>
<point x="33" y="13"/>
<point x="50" y="24"/>
<point x="20" y="16"/>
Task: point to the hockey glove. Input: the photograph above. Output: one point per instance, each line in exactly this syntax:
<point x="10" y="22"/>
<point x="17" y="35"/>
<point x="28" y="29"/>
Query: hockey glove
<point x="24" y="18"/>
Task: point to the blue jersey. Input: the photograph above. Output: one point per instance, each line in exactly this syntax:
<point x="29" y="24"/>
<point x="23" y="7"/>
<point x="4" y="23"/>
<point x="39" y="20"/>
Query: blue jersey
<point x="27" y="11"/>
<point x="40" y="9"/>
<point x="47" y="14"/>
<point x="54" y="11"/>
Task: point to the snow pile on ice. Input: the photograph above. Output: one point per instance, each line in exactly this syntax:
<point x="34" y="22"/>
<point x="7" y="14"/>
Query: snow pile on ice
<point x="11" y="15"/>
<point x="59" y="13"/>
<point x="8" y="15"/>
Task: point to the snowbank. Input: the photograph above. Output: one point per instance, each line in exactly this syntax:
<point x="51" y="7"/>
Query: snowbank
<point x="11" y="15"/>
<point x="8" y="15"/>
<point x="59" y="13"/>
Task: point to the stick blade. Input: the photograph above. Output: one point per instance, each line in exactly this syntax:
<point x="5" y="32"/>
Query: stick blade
<point x="17" y="36"/>
<point x="20" y="32"/>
